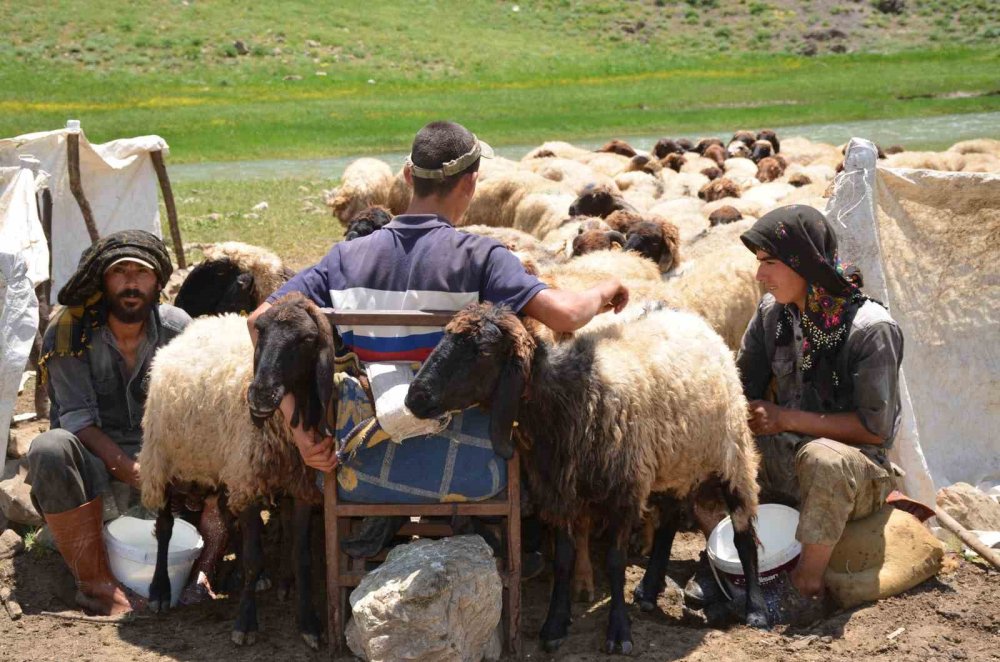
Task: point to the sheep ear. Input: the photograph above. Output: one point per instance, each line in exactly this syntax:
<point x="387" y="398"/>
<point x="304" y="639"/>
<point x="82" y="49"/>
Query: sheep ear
<point x="503" y="412"/>
<point x="327" y="418"/>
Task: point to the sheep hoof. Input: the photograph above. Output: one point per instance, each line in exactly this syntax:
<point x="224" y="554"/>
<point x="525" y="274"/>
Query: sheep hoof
<point x="244" y="638"/>
<point x="552" y="645"/>
<point x="611" y="647"/>
<point x="639" y="597"/>
<point x="758" y="620"/>
<point x="312" y="640"/>
<point x="159" y="606"/>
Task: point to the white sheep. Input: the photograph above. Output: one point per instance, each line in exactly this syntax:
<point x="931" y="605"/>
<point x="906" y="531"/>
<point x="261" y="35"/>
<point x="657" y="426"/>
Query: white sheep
<point x="365" y="182"/>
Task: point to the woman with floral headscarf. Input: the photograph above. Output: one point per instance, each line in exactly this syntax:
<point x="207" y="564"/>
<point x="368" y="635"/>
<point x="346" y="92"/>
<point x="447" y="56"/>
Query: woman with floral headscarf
<point x="820" y="368"/>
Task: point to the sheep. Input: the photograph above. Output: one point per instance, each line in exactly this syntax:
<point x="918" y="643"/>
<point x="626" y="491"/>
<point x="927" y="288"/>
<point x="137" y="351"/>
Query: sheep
<point x="895" y="149"/>
<point x="602" y="432"/>
<point x="605" y="163"/>
<point x="555" y="148"/>
<point x="367" y="221"/>
<point x="495" y="201"/>
<point x="745" y="207"/>
<point x="769" y="168"/>
<point x="799" y="179"/>
<point x="694" y="163"/>
<point x="645" y="163"/>
<point x="976" y="146"/>
<point x="771" y="137"/>
<point x="805" y="152"/>
<point x="365" y="182"/>
<point x="639" y="185"/>
<point x="400" y="194"/>
<point x="597" y="240"/>
<point x="618" y="147"/>
<point x="761" y="149"/>
<point x="655" y="240"/>
<point x="666" y="146"/>
<point x="712" y="173"/>
<point x="682" y="184"/>
<point x="673" y="161"/>
<point x="719" y="188"/>
<point x="540" y="213"/>
<point x="518" y="242"/>
<point x="738" y="149"/>
<point x="572" y="175"/>
<point x="741" y="170"/>
<point x="704" y="144"/>
<point x="197" y="431"/>
<point x="952" y="161"/>
<point x="715" y="153"/>
<point x="685" y="144"/>
<point x="599" y="201"/>
<point x="724" y="215"/>
<point x="560" y="239"/>
<point x="233" y="278"/>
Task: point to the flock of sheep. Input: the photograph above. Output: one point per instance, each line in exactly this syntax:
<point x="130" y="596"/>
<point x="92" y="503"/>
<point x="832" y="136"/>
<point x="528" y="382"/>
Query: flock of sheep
<point x="666" y="223"/>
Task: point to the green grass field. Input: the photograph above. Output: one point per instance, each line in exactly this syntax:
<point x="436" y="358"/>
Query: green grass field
<point x="319" y="80"/>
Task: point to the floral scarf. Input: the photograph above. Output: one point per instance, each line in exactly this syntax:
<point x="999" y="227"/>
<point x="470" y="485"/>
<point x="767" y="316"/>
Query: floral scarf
<point x="801" y="237"/>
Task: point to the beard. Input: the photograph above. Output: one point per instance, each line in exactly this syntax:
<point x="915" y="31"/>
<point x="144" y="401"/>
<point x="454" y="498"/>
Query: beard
<point x="131" y="312"/>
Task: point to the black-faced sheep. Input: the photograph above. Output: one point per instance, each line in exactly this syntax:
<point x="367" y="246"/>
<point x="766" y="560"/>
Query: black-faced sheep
<point x="761" y="149"/>
<point x="716" y="153"/>
<point x="197" y="430"/>
<point x="685" y="144"/>
<point x="771" y="137"/>
<point x="718" y="189"/>
<point x="666" y="146"/>
<point x="799" y="180"/>
<point x="644" y="163"/>
<point x="724" y="215"/>
<point x="673" y="162"/>
<point x="745" y="137"/>
<point x="769" y="169"/>
<point x="599" y="201"/>
<point x="618" y="147"/>
<point x="597" y="437"/>
<point x="597" y="240"/>
<point x="656" y="241"/>
<point x="367" y="221"/>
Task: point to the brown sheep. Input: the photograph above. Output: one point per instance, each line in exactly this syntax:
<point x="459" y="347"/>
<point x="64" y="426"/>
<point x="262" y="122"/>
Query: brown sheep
<point x="658" y="241"/>
<point x="666" y="146"/>
<point x="543" y="154"/>
<point x="685" y="144"/>
<point x="673" y="161"/>
<point x="799" y="179"/>
<point x="761" y="149"/>
<point x="599" y="201"/>
<point x="622" y="220"/>
<point x="644" y="163"/>
<point x="597" y="240"/>
<point x="618" y="147"/>
<point x="724" y="215"/>
<point x="769" y="169"/>
<point x="718" y="189"/>
<point x="705" y="143"/>
<point x="717" y="153"/>
<point x="712" y="173"/>
<point x="894" y="149"/>
<point x="367" y="221"/>
<point x="745" y="137"/>
<point x="771" y="137"/>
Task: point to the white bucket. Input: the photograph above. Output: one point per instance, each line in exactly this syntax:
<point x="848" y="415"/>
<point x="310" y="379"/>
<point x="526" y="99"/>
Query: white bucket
<point x="778" y="549"/>
<point x="132" y="552"/>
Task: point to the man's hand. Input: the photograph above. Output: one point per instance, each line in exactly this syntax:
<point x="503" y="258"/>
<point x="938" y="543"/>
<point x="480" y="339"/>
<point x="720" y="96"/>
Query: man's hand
<point x="614" y="296"/>
<point x="319" y="455"/>
<point x="132" y="473"/>
<point x="766" y="418"/>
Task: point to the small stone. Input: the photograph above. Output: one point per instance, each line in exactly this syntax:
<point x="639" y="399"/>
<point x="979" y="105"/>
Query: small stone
<point x="312" y="43"/>
<point x="251" y="217"/>
<point x="371" y="81"/>
<point x="320" y="73"/>
<point x="959" y="655"/>
<point x="970" y="507"/>
<point x="826" y="639"/>
<point x="15" y="494"/>
<point x="275" y="51"/>
<point x="260" y="206"/>
<point x="803" y="643"/>
<point x="292" y="77"/>
<point x="214" y="216"/>
<point x="10" y="544"/>
<point x="20" y="439"/>
<point x="241" y="47"/>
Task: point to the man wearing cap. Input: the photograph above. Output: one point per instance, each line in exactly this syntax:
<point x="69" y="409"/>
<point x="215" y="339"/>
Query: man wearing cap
<point x="95" y="358"/>
<point x="420" y="261"/>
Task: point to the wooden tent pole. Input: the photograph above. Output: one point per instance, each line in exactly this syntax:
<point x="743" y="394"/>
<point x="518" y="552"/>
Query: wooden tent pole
<point x="168" y="202"/>
<point x="73" y="152"/>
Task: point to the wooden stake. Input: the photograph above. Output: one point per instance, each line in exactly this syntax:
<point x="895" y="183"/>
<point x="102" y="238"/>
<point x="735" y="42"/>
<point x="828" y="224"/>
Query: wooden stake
<point x="168" y="202"/>
<point x="974" y="543"/>
<point x="75" y="185"/>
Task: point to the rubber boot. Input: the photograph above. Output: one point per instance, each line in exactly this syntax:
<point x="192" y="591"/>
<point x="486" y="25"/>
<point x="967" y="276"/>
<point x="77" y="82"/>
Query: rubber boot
<point x="79" y="536"/>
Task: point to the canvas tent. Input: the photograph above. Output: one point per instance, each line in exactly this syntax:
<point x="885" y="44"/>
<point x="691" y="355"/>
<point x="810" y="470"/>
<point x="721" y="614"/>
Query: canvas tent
<point x="927" y="244"/>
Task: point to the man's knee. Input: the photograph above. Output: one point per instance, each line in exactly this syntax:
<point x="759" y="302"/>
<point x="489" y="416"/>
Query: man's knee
<point x="823" y="458"/>
<point x="51" y="448"/>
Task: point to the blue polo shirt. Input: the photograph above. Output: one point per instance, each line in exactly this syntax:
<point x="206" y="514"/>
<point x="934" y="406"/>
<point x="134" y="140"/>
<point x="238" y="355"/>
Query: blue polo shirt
<point x="416" y="262"/>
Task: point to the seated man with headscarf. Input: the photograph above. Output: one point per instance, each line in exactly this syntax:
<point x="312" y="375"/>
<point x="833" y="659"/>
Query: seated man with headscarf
<point x="95" y="357"/>
<point x="820" y="368"/>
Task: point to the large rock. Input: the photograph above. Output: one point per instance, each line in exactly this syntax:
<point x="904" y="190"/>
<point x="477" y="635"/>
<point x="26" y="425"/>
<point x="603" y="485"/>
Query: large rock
<point x="15" y="494"/>
<point x="431" y="600"/>
<point x="10" y="544"/>
<point x="970" y="507"/>
<point x="22" y="435"/>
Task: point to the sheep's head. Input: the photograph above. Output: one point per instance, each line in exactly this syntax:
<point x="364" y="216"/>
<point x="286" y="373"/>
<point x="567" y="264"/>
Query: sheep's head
<point x="673" y="161"/>
<point x="738" y="149"/>
<point x="596" y="240"/>
<point x="666" y="146"/>
<point x="484" y="358"/>
<point x="215" y="287"/>
<point x="761" y="149"/>
<point x="294" y="354"/>
<point x="745" y="137"/>
<point x="598" y="201"/>
<point x="771" y="137"/>
<point x="618" y="147"/>
<point x="367" y="221"/>
<point x="658" y="242"/>
<point x="717" y="153"/>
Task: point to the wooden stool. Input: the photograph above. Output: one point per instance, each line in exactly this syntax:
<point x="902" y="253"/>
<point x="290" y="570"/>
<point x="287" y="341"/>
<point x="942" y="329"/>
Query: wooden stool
<point x="344" y="573"/>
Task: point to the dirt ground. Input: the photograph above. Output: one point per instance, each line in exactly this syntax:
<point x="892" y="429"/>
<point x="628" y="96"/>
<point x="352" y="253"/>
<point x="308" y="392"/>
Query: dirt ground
<point x="955" y="616"/>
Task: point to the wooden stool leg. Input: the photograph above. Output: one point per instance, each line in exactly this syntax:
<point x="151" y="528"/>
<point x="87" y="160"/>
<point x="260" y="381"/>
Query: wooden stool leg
<point x="514" y="558"/>
<point x="334" y="594"/>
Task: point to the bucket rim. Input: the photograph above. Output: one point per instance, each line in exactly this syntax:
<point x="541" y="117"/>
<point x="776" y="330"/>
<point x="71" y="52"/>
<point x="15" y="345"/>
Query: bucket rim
<point x="126" y="551"/>
<point x="775" y="561"/>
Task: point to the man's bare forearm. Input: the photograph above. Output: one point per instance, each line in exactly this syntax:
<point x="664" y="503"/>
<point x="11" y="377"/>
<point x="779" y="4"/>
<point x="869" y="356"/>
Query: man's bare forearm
<point x="119" y="464"/>
<point x="844" y="427"/>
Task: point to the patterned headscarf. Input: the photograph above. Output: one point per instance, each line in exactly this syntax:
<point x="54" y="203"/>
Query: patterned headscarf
<point x="801" y="237"/>
<point x="89" y="276"/>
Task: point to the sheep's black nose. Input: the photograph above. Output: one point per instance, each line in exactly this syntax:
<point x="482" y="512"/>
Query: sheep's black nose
<point x="418" y="400"/>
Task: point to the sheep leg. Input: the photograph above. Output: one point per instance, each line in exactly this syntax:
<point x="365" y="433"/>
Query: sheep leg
<point x="557" y="621"/>
<point x="654" y="581"/>
<point x="159" y="588"/>
<point x="252" y="554"/>
<point x="288" y="567"/>
<point x="619" y="633"/>
<point x="306" y="616"/>
<point x="745" y="540"/>
<point x="583" y="571"/>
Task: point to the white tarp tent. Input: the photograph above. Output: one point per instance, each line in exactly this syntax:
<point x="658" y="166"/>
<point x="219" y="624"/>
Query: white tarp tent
<point x="118" y="179"/>
<point x="928" y="244"/>
<point x="24" y="263"/>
